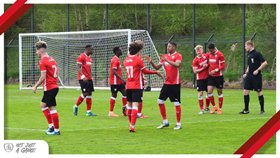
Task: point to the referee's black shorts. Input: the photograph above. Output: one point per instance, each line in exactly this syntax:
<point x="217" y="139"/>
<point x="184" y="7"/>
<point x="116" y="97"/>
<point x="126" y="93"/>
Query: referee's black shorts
<point x="86" y="86"/>
<point x="252" y="82"/>
<point x="171" y="91"/>
<point x="49" y="97"/>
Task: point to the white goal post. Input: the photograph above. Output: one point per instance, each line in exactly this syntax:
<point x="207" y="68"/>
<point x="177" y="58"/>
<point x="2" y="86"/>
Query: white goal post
<point x="65" y="47"/>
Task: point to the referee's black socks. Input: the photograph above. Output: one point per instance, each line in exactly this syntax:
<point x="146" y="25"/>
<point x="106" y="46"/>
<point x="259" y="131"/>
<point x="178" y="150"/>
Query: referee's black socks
<point x="246" y="102"/>
<point x="261" y="100"/>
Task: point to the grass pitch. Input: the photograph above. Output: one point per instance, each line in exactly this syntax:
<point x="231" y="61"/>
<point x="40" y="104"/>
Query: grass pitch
<point x="201" y="134"/>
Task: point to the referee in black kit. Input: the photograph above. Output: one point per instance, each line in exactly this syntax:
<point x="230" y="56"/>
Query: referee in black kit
<point x="253" y="76"/>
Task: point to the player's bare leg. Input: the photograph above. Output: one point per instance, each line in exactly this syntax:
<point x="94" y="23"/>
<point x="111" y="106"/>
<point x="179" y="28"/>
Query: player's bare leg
<point x="112" y="105"/>
<point x="221" y="100"/>
<point x="211" y="98"/>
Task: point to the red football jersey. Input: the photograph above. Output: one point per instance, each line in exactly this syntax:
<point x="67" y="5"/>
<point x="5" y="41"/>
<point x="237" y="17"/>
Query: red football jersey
<point x="86" y="62"/>
<point x="198" y="63"/>
<point x="48" y="64"/>
<point x="216" y="62"/>
<point x="172" y="72"/>
<point x="115" y="64"/>
<point x="133" y="65"/>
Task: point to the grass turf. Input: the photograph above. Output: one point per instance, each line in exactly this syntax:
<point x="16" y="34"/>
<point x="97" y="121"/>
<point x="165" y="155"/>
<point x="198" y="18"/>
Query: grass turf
<point x="201" y="134"/>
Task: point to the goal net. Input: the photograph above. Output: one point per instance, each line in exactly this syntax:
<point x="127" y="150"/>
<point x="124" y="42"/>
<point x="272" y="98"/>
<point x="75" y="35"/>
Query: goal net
<point x="65" y="47"/>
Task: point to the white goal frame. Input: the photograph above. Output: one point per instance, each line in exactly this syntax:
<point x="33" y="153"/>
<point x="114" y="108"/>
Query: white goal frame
<point x="61" y="85"/>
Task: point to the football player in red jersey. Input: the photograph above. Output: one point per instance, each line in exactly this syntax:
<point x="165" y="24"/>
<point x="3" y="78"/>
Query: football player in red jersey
<point x="134" y="67"/>
<point x="200" y="68"/>
<point x="171" y="88"/>
<point x="84" y="63"/>
<point x="49" y="74"/>
<point x="216" y="62"/>
<point x="117" y="82"/>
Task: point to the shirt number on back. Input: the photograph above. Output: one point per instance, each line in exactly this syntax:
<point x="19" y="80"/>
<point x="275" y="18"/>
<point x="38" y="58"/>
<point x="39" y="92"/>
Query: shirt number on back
<point x="55" y="71"/>
<point x="129" y="71"/>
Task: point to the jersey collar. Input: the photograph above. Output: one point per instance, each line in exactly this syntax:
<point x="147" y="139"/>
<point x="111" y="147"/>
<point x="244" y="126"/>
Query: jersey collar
<point x="85" y="54"/>
<point x="172" y="54"/>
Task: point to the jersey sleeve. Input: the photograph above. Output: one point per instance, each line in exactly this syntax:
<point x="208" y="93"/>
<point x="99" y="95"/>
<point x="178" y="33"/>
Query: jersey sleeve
<point x="80" y="59"/>
<point x="179" y="58"/>
<point x="194" y="63"/>
<point x="261" y="58"/>
<point x="115" y="64"/>
<point x="207" y="55"/>
<point x="43" y="66"/>
<point x="221" y="62"/>
<point x="141" y="63"/>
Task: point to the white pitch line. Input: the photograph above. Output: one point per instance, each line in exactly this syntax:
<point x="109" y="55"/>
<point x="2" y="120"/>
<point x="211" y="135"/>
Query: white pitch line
<point x="115" y="127"/>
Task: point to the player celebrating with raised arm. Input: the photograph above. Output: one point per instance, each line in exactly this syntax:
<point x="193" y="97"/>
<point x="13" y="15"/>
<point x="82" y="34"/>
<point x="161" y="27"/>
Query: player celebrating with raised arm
<point x="200" y="68"/>
<point x="117" y="82"/>
<point x="253" y="76"/>
<point x="84" y="63"/>
<point x="48" y="77"/>
<point x="171" y="88"/>
<point x="134" y="67"/>
<point x="216" y="62"/>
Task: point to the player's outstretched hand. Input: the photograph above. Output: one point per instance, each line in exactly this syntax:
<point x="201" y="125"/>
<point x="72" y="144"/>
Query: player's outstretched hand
<point x="162" y="56"/>
<point x="159" y="74"/>
<point x="34" y="89"/>
<point x="244" y="76"/>
<point x="148" y="58"/>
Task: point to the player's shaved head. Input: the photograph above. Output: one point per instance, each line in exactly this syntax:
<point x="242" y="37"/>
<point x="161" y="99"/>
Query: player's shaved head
<point x="41" y="44"/>
<point x="135" y="47"/>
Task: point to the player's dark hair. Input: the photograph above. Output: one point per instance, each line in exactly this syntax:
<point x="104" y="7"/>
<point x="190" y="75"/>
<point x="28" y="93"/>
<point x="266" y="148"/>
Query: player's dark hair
<point x="116" y="50"/>
<point x="41" y="44"/>
<point x="211" y="46"/>
<point x="172" y="43"/>
<point x="88" y="46"/>
<point x="135" y="47"/>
